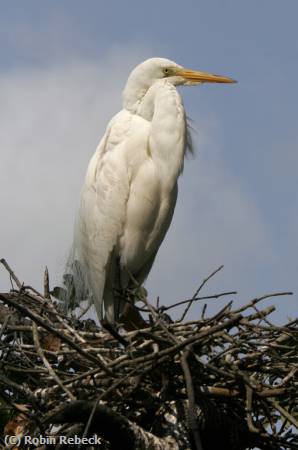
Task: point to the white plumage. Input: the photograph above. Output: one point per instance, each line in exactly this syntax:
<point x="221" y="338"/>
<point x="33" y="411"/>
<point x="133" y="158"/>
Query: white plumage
<point x="130" y="190"/>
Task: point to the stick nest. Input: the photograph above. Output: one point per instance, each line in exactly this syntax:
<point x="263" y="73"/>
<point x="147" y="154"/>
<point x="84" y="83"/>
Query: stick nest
<point x="228" y="381"/>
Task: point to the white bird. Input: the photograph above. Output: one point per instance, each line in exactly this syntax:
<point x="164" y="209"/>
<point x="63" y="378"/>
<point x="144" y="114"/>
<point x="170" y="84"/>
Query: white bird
<point x="130" y="190"/>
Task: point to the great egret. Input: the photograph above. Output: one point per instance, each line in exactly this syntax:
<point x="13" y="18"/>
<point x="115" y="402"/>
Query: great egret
<point x="130" y="191"/>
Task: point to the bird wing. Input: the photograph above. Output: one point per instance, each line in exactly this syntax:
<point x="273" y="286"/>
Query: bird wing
<point x="101" y="216"/>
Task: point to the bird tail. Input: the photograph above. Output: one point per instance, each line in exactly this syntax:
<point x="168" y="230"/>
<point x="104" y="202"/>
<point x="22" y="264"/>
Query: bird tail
<point x="76" y="288"/>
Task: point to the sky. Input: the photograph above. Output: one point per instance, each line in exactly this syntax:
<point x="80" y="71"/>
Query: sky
<point x="63" y="66"/>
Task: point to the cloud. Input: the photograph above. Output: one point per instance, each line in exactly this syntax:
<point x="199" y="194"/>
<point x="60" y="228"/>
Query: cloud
<point x="51" y="121"/>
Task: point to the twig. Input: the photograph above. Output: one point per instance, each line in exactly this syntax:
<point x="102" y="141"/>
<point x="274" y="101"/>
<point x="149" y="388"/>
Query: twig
<point x="46" y="362"/>
<point x="198" y="290"/>
<point x="191" y="400"/>
<point x="256" y="300"/>
<point x="46" y="286"/>
<point x="196" y="299"/>
<point x="11" y="273"/>
<point x="284" y="412"/>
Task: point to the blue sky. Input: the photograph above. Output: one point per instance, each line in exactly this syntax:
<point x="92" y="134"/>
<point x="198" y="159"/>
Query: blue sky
<point x="62" y="68"/>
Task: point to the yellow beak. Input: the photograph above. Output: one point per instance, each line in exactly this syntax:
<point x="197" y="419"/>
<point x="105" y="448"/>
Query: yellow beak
<point x="203" y="77"/>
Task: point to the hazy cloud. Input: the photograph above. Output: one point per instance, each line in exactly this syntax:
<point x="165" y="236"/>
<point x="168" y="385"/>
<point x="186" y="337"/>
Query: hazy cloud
<point x="51" y="122"/>
<point x="216" y="222"/>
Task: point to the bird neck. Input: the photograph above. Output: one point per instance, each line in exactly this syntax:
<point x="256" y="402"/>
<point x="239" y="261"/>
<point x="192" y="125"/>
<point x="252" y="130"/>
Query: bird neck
<point x="161" y="105"/>
<point x="167" y="139"/>
<point x="139" y="98"/>
<point x="133" y="94"/>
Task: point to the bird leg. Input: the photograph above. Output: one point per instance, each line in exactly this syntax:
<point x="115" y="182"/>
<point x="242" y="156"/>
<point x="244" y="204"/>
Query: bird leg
<point x="131" y="319"/>
<point x="112" y="330"/>
<point x="125" y="313"/>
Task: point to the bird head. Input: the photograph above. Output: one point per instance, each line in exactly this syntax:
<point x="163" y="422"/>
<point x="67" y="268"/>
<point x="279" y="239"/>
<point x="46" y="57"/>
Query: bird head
<point x="155" y="69"/>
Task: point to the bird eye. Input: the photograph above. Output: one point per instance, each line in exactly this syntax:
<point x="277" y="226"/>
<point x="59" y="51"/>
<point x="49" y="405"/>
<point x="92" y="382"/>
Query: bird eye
<point x="166" y="72"/>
